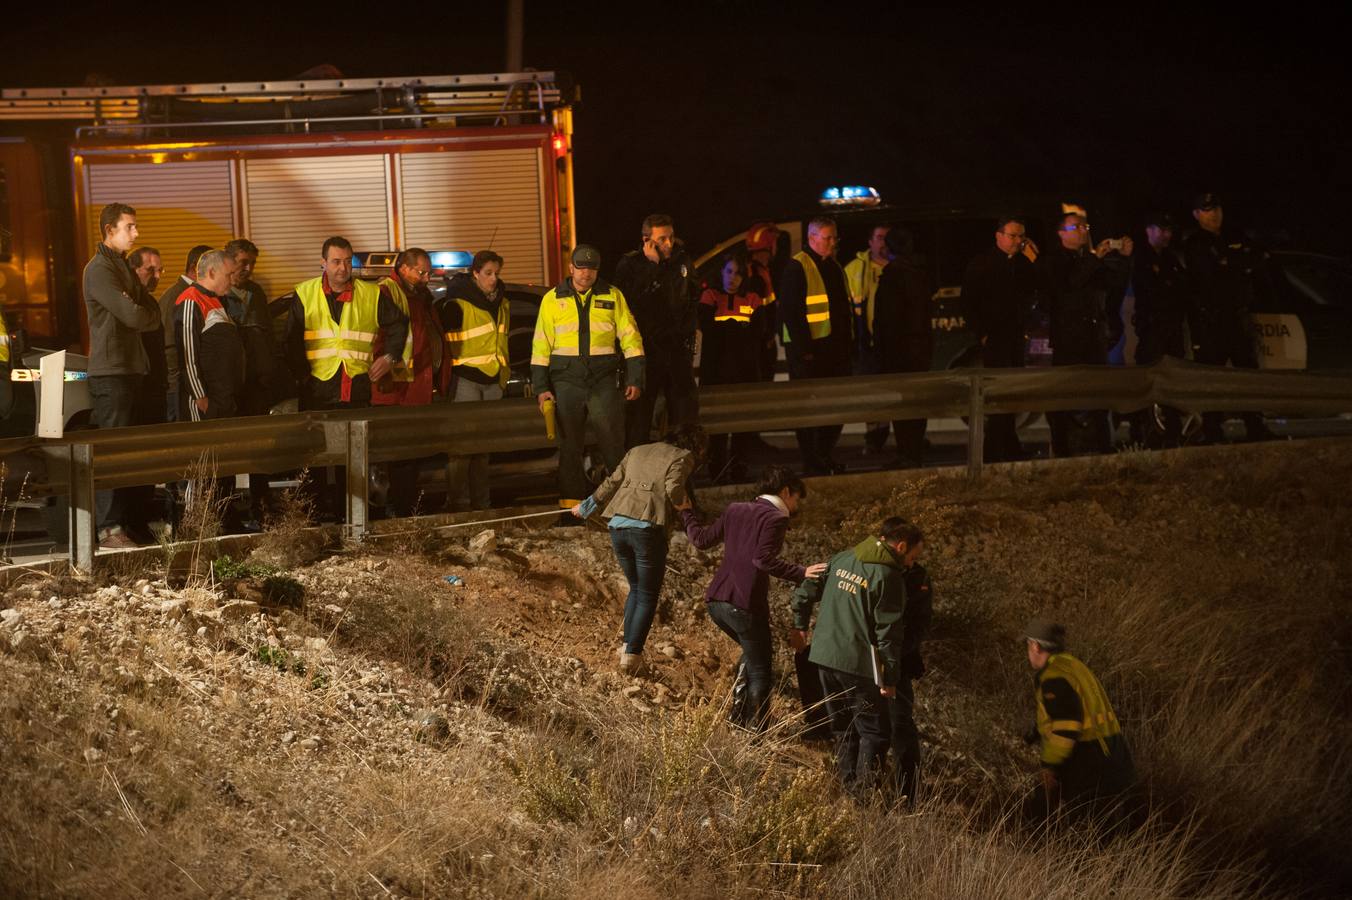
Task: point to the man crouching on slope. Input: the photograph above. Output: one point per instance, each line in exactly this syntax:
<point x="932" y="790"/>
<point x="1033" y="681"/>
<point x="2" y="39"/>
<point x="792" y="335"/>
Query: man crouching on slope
<point x="857" y="643"/>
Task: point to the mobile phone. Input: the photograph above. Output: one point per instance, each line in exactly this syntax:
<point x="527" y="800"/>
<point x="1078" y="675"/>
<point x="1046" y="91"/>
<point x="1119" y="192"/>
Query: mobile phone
<point x="1114" y="243"/>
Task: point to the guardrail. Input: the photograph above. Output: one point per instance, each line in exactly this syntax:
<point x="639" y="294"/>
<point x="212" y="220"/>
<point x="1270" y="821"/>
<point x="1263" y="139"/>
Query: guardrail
<point x="85" y="461"/>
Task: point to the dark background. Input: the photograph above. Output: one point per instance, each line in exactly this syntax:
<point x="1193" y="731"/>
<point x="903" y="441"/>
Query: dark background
<point x="722" y="114"/>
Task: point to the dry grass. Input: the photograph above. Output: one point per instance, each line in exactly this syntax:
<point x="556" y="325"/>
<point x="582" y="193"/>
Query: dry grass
<point x="1212" y="607"/>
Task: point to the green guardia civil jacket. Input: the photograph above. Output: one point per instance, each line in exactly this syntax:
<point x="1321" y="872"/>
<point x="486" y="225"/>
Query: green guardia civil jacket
<point x="863" y="597"/>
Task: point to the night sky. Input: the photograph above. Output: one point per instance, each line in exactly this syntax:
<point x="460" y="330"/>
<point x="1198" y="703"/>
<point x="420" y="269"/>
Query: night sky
<point x="721" y="114"/>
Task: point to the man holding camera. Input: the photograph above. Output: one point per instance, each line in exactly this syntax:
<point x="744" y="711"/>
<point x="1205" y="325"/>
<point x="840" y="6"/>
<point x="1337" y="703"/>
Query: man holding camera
<point x="1085" y="283"/>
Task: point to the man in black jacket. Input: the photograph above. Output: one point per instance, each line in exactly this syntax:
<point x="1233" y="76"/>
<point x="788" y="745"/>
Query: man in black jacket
<point x="1085" y="287"/>
<point x="657" y="281"/>
<point x="168" y="300"/>
<point x="1230" y="274"/>
<point x="816" y="320"/>
<point x="902" y="340"/>
<point x="1165" y="302"/>
<point x="915" y="623"/>
<point x="997" y="294"/>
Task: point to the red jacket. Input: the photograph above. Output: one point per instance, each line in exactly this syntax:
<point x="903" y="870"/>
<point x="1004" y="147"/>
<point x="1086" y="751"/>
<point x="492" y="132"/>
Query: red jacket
<point x="422" y="331"/>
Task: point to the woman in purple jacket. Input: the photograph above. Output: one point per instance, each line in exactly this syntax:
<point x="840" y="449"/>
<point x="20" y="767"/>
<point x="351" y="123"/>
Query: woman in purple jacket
<point x="753" y="535"/>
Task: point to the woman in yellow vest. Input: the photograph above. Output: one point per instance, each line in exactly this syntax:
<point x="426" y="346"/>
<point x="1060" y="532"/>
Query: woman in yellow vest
<point x="475" y="318"/>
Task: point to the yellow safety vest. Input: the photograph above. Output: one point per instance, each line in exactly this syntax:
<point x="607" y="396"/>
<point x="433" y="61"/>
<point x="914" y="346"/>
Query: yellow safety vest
<point x="1098" y="722"/>
<point x="608" y="320"/>
<point x="350" y="341"/>
<point x="481" y="342"/>
<point x="4" y="339"/>
<point x="818" y="304"/>
<point x="861" y="279"/>
<point x="404" y="372"/>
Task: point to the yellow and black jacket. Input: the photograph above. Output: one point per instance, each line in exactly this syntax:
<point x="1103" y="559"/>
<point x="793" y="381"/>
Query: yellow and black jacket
<point x="1081" y="738"/>
<point x="577" y="333"/>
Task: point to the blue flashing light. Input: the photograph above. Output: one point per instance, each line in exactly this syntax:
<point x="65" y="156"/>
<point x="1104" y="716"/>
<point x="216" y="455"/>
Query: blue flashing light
<point x="451" y="259"/>
<point x="831" y="194"/>
<point x="851" y="195"/>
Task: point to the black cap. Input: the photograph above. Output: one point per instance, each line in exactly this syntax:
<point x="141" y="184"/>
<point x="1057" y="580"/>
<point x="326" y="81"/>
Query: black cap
<point x="1051" y="635"/>
<point x="1161" y="220"/>
<point x="1206" y="201"/>
<point x="587" y="257"/>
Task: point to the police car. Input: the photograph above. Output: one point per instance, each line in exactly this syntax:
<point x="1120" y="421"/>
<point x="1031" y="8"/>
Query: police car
<point x="1307" y="323"/>
<point x="446" y="265"/>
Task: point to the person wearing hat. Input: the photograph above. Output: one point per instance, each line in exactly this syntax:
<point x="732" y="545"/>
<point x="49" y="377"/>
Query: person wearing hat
<point x="1231" y="275"/>
<point x="573" y="362"/>
<point x="1086" y="764"/>
<point x="1164" y="307"/>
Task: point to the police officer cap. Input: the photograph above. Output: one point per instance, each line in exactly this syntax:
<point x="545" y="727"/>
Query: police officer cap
<point x="1161" y="220"/>
<point x="1206" y="201"/>
<point x="587" y="257"/>
<point x="1051" y="635"/>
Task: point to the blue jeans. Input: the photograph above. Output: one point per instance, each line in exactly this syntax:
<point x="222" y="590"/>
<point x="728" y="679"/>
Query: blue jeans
<point x="752" y="632"/>
<point x="642" y="554"/>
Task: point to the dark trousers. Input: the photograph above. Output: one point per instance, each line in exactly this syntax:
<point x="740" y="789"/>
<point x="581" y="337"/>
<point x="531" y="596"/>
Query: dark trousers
<point x="668" y="374"/>
<point x="114" y="399"/>
<point x="1155" y="344"/>
<point x="728" y="455"/>
<point x="752" y="632"/>
<point x="905" y="740"/>
<point x="1224" y="342"/>
<point x="594" y="398"/>
<point x="401" y="499"/>
<point x="1002" y="434"/>
<point x="330" y="500"/>
<point x="642" y="555"/>
<point x="1082" y="430"/>
<point x="830" y="359"/>
<point x="858" y="723"/>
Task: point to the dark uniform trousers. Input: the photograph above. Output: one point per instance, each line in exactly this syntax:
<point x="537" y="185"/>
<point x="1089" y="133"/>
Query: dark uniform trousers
<point x="670" y="374"/>
<point x="905" y="740"/>
<point x="1002" y="351"/>
<point x="1224" y="339"/>
<point x="858" y="723"/>
<point x="586" y="389"/>
<point x="830" y="359"/>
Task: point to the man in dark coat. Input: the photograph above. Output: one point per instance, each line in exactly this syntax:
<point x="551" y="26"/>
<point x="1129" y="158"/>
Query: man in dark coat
<point x="902" y="341"/>
<point x="997" y="294"/>
<point x="1164" y="306"/>
<point x="658" y="283"/>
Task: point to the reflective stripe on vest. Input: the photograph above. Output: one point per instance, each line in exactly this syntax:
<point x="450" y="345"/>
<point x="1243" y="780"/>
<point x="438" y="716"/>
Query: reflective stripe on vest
<point x="347" y="342"/>
<point x="558" y="329"/>
<point x="1098" y="722"/>
<point x="481" y="341"/>
<point x="818" y="305"/>
<point x="404" y="372"/>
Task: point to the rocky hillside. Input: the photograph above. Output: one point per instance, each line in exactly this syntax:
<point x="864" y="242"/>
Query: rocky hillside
<point x="343" y="721"/>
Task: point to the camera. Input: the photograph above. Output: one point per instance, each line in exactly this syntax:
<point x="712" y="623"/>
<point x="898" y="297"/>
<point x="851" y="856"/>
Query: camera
<point x="1114" y="243"/>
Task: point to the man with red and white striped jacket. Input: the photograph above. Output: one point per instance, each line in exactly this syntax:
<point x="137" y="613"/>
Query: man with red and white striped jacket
<point x="210" y="351"/>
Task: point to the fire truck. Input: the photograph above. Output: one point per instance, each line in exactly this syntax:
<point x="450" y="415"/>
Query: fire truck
<point x="462" y="161"/>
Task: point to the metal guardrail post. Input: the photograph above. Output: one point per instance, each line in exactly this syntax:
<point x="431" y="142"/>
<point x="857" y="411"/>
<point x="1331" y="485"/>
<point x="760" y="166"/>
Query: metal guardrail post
<point x="358" y="477"/>
<point x="976" y="426"/>
<point x="83" y="524"/>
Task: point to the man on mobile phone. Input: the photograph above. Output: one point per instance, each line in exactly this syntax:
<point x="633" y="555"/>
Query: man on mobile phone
<point x="658" y="282"/>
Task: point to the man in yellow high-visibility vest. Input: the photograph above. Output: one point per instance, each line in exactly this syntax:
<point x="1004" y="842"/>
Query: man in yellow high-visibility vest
<point x="574" y="363"/>
<point x="815" y="318"/>
<point x="331" y="333"/>
<point x="1086" y="764"/>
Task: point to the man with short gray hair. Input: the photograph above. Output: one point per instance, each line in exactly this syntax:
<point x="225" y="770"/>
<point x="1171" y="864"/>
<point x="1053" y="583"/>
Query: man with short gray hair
<point x="210" y="353"/>
<point x="815" y="327"/>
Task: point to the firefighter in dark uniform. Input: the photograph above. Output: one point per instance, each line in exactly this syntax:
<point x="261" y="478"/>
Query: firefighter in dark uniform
<point x="1086" y="764"/>
<point x="732" y="329"/>
<point x="1085" y="284"/>
<point x="1164" y="308"/>
<point x="573" y="363"/>
<point x="1230" y="274"/>
<point x="658" y="284"/>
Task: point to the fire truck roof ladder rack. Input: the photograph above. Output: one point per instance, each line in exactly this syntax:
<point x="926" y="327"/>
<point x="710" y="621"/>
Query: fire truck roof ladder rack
<point x="494" y="97"/>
